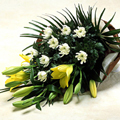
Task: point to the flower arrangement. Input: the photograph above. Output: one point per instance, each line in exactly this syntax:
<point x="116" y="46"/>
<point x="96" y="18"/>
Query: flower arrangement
<point x="66" y="59"/>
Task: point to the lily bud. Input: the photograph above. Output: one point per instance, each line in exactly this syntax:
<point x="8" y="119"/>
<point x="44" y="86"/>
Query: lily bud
<point x="12" y="70"/>
<point x="68" y="94"/>
<point x="52" y="95"/>
<point x="77" y="88"/>
<point x="23" y="91"/>
<point x="23" y="104"/>
<point x="93" y="88"/>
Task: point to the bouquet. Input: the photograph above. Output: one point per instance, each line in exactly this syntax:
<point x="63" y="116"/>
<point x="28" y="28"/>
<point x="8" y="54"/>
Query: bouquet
<point x="66" y="59"/>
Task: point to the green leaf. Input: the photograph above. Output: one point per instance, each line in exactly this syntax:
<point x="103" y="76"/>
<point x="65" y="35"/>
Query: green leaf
<point x="38" y="106"/>
<point x="116" y="50"/>
<point x="106" y="25"/>
<point x="4" y="90"/>
<point x="64" y="16"/>
<point x="95" y="17"/>
<point x="60" y="25"/>
<point x="95" y="76"/>
<point x="112" y="32"/>
<point x="27" y="47"/>
<point x="49" y="22"/>
<point x="32" y="75"/>
<point x="100" y="17"/>
<point x="112" y="42"/>
<point x="31" y="35"/>
<point x="80" y="14"/>
<point x="40" y="23"/>
<point x="34" y="29"/>
<point x="58" y="20"/>
<point x="112" y="38"/>
<point x="53" y="89"/>
<point x="71" y="16"/>
<point x="38" y="99"/>
<point x="36" y="25"/>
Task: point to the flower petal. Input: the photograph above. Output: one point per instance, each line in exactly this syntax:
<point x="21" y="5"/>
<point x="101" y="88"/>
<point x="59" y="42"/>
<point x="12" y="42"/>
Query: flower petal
<point x="69" y="70"/>
<point x="62" y="68"/>
<point x="64" y="81"/>
<point x="25" y="57"/>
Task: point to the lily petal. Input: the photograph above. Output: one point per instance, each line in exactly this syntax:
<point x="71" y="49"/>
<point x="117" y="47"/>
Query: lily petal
<point x="69" y="70"/>
<point x="25" y="57"/>
<point x="62" y="68"/>
<point x="64" y="81"/>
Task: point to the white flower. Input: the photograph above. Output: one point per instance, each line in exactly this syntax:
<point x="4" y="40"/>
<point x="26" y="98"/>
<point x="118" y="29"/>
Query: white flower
<point x="34" y="52"/>
<point x="47" y="33"/>
<point x="66" y="30"/>
<point x="81" y="56"/>
<point x="80" y="32"/>
<point x="25" y="64"/>
<point x="44" y="60"/>
<point x="53" y="42"/>
<point x="42" y="76"/>
<point x="64" y="49"/>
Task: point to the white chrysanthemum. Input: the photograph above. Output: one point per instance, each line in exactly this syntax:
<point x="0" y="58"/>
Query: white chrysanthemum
<point x="64" y="49"/>
<point x="80" y="32"/>
<point x="66" y="30"/>
<point x="81" y="56"/>
<point x="53" y="42"/>
<point x="47" y="33"/>
<point x="42" y="76"/>
<point x="44" y="60"/>
<point x="34" y="52"/>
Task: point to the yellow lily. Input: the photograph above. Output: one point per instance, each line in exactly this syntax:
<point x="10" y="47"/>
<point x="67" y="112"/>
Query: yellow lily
<point x="62" y="72"/>
<point x="26" y="58"/>
<point x="20" y="76"/>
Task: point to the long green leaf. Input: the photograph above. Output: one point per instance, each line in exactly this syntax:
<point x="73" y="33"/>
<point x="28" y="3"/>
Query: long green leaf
<point x="58" y="19"/>
<point x="81" y="15"/>
<point x="40" y="23"/>
<point x="112" y="38"/>
<point x="60" y="25"/>
<point x="100" y="17"/>
<point x="27" y="47"/>
<point x="31" y="35"/>
<point x="49" y="22"/>
<point x="34" y="29"/>
<point x="90" y="13"/>
<point x="106" y="25"/>
<point x="36" y="25"/>
<point x="72" y="16"/>
<point x="32" y="75"/>
<point x="112" y="32"/>
<point x="63" y="16"/>
<point x="95" y="17"/>
<point x="112" y="42"/>
<point x="116" y="50"/>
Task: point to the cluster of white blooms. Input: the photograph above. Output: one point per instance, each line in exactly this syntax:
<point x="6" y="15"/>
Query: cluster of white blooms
<point x="66" y="30"/>
<point x="44" y="60"/>
<point x="53" y="42"/>
<point x="42" y="76"/>
<point x="33" y="52"/>
<point x="64" y="49"/>
<point x="47" y="33"/>
<point x="80" y="32"/>
<point x="81" y="55"/>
